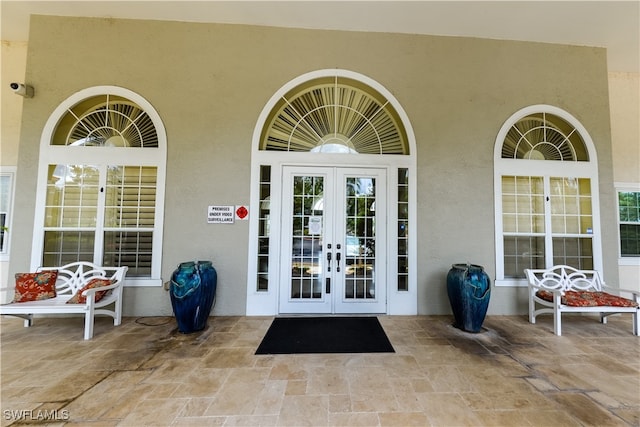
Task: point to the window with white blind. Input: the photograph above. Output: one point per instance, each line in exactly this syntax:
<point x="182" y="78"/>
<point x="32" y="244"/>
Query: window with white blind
<point x="545" y="195"/>
<point x="102" y="190"/>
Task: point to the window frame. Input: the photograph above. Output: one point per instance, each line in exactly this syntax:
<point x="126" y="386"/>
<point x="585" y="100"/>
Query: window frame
<point x="547" y="169"/>
<point x="102" y="157"/>
<point x="625" y="187"/>
<point x="10" y="172"/>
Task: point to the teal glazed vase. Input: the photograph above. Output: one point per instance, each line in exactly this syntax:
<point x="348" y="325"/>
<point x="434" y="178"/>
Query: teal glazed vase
<point x="469" y="290"/>
<point x="209" y="282"/>
<point x="192" y="292"/>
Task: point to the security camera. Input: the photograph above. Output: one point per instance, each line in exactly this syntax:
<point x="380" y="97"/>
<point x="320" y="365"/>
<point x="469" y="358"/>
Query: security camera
<point x="22" y="89"/>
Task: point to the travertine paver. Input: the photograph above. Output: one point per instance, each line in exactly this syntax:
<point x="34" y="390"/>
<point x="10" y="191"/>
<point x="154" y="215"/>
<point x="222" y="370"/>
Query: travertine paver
<point x="145" y="372"/>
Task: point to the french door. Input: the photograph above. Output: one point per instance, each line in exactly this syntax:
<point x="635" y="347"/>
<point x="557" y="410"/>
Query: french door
<point x="333" y="240"/>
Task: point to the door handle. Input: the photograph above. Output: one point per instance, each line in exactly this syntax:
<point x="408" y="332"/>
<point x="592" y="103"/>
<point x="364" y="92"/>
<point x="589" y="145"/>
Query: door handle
<point x="338" y="262"/>
<point x="328" y="261"/>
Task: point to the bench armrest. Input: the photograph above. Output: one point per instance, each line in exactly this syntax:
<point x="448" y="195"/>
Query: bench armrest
<point x="635" y="295"/>
<point x="118" y="282"/>
<point x="557" y="293"/>
<point x="90" y="291"/>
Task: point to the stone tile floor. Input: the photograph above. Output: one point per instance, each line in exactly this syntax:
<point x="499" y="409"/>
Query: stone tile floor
<point x="145" y="373"/>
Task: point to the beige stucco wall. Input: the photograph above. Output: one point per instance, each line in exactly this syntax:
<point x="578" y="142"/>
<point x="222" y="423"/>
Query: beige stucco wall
<point x="12" y="68"/>
<point x="209" y="83"/>
<point x="624" y="89"/>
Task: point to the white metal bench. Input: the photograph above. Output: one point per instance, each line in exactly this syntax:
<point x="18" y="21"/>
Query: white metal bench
<point x="564" y="289"/>
<point x="71" y="278"/>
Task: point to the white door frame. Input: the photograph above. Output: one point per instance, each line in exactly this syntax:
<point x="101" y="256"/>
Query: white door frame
<point x="326" y="269"/>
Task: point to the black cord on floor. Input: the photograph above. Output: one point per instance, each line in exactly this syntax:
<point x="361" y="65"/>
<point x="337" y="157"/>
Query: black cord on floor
<point x="163" y="321"/>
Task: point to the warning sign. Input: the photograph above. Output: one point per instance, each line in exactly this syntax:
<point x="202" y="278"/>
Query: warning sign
<point x="242" y="212"/>
<point x="221" y="214"/>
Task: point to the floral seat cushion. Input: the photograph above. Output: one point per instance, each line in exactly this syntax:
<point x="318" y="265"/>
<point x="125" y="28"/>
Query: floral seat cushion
<point x="588" y="299"/>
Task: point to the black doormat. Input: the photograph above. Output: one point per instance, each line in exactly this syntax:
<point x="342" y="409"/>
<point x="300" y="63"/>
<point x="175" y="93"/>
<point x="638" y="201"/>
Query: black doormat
<point x="296" y="335"/>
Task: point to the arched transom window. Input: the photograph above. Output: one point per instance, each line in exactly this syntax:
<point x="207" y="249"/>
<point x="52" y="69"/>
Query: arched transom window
<point x="106" y="120"/>
<point x="544" y="136"/>
<point x="334" y="115"/>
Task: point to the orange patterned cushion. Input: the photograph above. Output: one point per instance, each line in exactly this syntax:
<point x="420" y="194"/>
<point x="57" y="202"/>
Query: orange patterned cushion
<point x="98" y="282"/>
<point x="589" y="299"/>
<point x="35" y="286"/>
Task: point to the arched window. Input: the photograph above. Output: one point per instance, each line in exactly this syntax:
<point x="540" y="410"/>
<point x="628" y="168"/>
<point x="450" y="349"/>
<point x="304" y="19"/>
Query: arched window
<point x="546" y="194"/>
<point x="101" y="184"/>
<point x="334" y="114"/>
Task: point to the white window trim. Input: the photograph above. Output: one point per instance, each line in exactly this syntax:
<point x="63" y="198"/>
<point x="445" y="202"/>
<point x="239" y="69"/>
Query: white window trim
<point x="523" y="167"/>
<point x="50" y="154"/>
<point x="625" y="187"/>
<point x="11" y="172"/>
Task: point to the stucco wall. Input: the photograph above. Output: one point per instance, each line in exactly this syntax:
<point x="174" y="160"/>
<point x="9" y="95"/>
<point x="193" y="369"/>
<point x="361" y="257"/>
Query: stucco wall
<point x="12" y="69"/>
<point x="14" y="55"/>
<point x="624" y="89"/>
<point x="209" y="83"/>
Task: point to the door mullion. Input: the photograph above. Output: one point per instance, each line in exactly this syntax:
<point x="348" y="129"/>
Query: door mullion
<point x="548" y="236"/>
<point x="98" y="247"/>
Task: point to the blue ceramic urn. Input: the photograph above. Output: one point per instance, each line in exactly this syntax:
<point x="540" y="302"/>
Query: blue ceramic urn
<point x="192" y="291"/>
<point x="469" y="290"/>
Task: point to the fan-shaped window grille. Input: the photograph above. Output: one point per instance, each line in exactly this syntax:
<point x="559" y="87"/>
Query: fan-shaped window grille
<point x="334" y="115"/>
<point x="544" y="136"/>
<point x="106" y="121"/>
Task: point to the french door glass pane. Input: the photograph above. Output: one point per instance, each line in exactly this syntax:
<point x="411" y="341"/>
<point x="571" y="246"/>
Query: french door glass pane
<point x="360" y="227"/>
<point x="64" y="247"/>
<point x="306" y="244"/>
